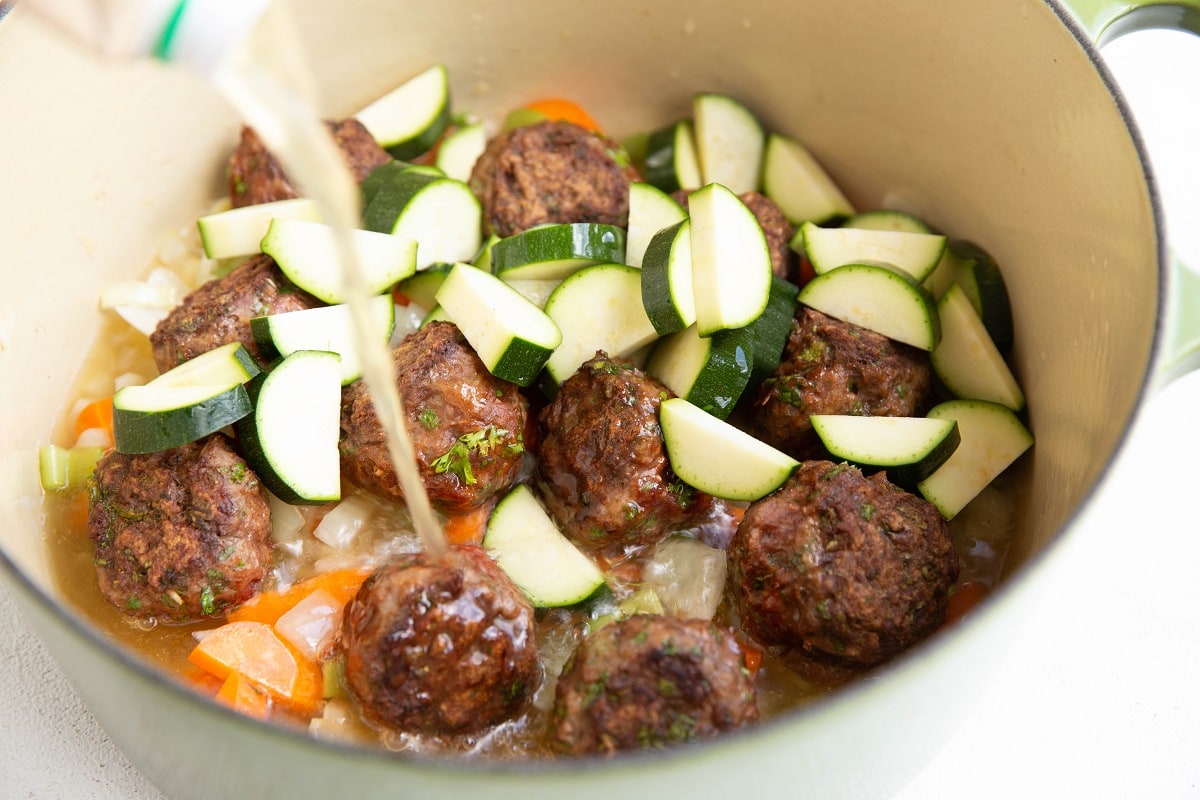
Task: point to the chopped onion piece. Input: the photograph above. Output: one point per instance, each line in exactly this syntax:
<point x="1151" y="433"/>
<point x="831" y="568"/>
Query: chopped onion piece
<point x="94" y="437"/>
<point x="128" y="379"/>
<point x="408" y="320"/>
<point x="688" y="576"/>
<point x="311" y="624"/>
<point x="286" y="521"/>
<point x="143" y="304"/>
<point x="342" y="524"/>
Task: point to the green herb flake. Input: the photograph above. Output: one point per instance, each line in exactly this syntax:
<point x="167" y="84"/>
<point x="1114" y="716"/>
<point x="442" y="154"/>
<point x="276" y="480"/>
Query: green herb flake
<point x="457" y="460"/>
<point x="133" y="603"/>
<point x="207" y="602"/>
<point x="428" y="418"/>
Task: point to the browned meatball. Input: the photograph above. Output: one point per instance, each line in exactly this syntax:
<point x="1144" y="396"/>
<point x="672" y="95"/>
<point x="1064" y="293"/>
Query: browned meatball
<point x="467" y="425"/>
<point x="256" y="176"/>
<point x="602" y="464"/>
<point x="551" y="172"/>
<point x="440" y="646"/>
<point x="648" y="682"/>
<point x="835" y="367"/>
<point x="775" y="227"/>
<point x="219" y="312"/>
<point x="844" y="567"/>
<point x="180" y="534"/>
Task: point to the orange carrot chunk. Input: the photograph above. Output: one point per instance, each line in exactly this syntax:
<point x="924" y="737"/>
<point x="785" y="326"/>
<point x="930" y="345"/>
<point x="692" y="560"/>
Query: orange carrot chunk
<point x="96" y="414"/>
<point x="556" y="108"/>
<point x="468" y="528"/>
<point x="239" y="693"/>
<point x="268" y="607"/>
<point x="254" y="650"/>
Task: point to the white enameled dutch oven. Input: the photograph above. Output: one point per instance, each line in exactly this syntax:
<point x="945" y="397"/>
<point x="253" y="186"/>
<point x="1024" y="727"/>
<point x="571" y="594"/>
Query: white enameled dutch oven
<point x="994" y="120"/>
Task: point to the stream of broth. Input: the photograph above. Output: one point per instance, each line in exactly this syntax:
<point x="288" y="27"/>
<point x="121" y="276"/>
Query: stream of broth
<point x="269" y="82"/>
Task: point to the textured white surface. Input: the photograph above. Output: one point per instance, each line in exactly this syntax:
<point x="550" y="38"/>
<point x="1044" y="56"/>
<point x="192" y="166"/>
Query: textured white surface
<point x="1098" y="697"/>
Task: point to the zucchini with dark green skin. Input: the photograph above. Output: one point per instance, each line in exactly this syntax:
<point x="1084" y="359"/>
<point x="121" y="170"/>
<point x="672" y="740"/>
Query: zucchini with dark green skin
<point x="185" y="403"/>
<point x="553" y="252"/>
<point x="409" y="120"/>
<point x="710" y="372"/>
<point x="291" y="439"/>
<point x="910" y="449"/>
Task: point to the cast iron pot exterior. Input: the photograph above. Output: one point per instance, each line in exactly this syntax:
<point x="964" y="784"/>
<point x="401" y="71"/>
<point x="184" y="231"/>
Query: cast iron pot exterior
<point x="994" y="120"/>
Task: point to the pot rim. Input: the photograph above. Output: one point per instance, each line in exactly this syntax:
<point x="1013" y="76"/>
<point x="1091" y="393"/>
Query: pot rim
<point x="890" y="673"/>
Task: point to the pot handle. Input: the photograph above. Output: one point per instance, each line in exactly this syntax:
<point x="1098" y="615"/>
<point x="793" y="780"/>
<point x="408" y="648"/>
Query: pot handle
<point x="1105" y="20"/>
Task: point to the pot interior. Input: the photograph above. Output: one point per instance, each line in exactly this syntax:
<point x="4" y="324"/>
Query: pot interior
<point x="991" y="122"/>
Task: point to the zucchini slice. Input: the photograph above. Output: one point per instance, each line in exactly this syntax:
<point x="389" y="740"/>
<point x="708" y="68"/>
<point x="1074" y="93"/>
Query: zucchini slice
<point x="710" y="372"/>
<point x="552" y="252"/>
<point x="409" y="120"/>
<point x="440" y="214"/>
<point x="909" y="448"/>
<point x="717" y="458"/>
<point x="992" y="439"/>
<point x="307" y="253"/>
<point x="512" y="336"/>
<point x="731" y="266"/>
<point x="667" y="293"/>
<point x="238" y="232"/>
<point x="291" y="439"/>
<point x="829" y="248"/>
<point x="888" y="220"/>
<point x="966" y="360"/>
<point x="597" y="308"/>
<point x="650" y="210"/>
<point x="185" y="403"/>
<point x="879" y="298"/>
<point x="974" y="269"/>
<point x="799" y="185"/>
<point x="729" y="142"/>
<point x="150" y="418"/>
<point x="671" y="162"/>
<point x="460" y="150"/>
<point x="772" y="328"/>
<point x="328" y="328"/>
<point x="222" y="366"/>
<point x="539" y="559"/>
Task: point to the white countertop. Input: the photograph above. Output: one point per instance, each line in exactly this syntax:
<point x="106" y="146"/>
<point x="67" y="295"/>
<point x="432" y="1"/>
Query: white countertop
<point x="1100" y="696"/>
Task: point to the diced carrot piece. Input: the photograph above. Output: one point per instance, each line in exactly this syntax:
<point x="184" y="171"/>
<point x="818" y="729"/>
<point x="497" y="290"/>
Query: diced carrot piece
<point x="268" y="607"/>
<point x="965" y="597"/>
<point x="239" y="693"/>
<point x="96" y="414"/>
<point x="254" y="650"/>
<point x="468" y="528"/>
<point x="752" y="657"/>
<point x="556" y="108"/>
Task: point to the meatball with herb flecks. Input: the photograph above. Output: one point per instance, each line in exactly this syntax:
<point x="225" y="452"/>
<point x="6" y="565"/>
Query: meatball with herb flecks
<point x="551" y="172"/>
<point x="842" y="566"/>
<point x="440" y="645"/>
<point x="256" y="176"/>
<point x="602" y="463"/>
<point x="649" y="682"/>
<point x="219" y="312"/>
<point x="180" y="534"/>
<point x="467" y="426"/>
<point x="835" y="367"/>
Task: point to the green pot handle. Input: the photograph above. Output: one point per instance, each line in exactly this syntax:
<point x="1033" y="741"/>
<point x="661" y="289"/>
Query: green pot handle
<point x="1105" y="20"/>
